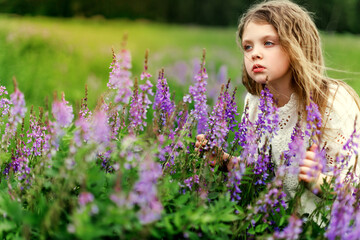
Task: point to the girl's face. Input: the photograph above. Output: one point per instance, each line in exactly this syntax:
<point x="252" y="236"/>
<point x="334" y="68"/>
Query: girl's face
<point x="265" y="59"/>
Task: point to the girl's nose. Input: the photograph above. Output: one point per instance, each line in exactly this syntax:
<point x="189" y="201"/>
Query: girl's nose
<point x="256" y="55"/>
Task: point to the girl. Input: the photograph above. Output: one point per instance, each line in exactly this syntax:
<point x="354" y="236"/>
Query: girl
<point x="282" y="51"/>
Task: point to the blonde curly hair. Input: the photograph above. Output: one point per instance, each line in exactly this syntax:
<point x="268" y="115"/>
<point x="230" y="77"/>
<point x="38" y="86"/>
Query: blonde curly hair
<point x="300" y="38"/>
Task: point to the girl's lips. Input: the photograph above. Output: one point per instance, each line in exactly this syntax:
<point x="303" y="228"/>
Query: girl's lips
<point x="258" y="68"/>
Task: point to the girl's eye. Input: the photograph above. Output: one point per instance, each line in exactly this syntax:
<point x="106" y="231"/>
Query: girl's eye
<point x="247" y="47"/>
<point x="268" y="43"/>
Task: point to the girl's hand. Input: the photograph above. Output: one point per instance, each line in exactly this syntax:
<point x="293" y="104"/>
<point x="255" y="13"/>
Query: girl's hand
<point x="310" y="168"/>
<point x="200" y="142"/>
<point x="212" y="155"/>
<point x="200" y="145"/>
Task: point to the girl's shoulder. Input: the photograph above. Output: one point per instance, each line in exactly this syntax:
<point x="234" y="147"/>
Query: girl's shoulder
<point x="342" y="108"/>
<point x="342" y="99"/>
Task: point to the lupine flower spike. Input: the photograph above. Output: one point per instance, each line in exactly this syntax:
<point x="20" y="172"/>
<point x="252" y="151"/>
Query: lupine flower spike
<point x="17" y="113"/>
<point x="146" y="89"/>
<point x="292" y="231"/>
<point x="120" y="74"/>
<point x="217" y="126"/>
<point x="198" y="93"/>
<point x="231" y="107"/>
<point x="63" y="115"/>
<point x="296" y="152"/>
<point x="84" y="112"/>
<point x="345" y="210"/>
<point x="136" y="112"/>
<point x="163" y="105"/>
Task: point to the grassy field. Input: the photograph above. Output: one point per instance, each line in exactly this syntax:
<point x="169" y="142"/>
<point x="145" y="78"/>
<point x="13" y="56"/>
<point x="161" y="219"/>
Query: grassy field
<point x="62" y="55"/>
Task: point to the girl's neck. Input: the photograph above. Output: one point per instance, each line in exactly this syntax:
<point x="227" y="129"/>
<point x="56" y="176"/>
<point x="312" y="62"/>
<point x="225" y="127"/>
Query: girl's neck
<point x="281" y="93"/>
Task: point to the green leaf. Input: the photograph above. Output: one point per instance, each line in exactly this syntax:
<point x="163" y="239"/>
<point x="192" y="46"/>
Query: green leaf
<point x="251" y="231"/>
<point x="282" y="220"/>
<point x="213" y="195"/>
<point x="257" y="218"/>
<point x="182" y="199"/>
<point x="261" y="228"/>
<point x="229" y="218"/>
<point x="6" y="226"/>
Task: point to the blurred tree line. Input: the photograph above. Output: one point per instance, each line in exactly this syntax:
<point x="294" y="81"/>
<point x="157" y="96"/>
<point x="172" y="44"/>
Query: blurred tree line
<point x="330" y="15"/>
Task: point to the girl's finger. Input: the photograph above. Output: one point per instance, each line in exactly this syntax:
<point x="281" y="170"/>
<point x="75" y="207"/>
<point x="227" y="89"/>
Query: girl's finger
<point x="305" y="170"/>
<point x="200" y="137"/>
<point x="306" y="178"/>
<point x="309" y="163"/>
<point x="309" y="155"/>
<point x="313" y="148"/>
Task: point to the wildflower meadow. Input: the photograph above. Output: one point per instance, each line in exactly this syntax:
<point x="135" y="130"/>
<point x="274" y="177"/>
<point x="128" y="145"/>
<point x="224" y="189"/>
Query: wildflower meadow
<point x="128" y="168"/>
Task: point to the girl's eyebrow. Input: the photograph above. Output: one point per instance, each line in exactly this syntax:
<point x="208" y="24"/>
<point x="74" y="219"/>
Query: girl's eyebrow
<point x="272" y="36"/>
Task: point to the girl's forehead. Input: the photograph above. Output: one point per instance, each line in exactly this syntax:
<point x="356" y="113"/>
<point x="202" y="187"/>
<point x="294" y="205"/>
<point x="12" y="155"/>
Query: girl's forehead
<point x="258" y="29"/>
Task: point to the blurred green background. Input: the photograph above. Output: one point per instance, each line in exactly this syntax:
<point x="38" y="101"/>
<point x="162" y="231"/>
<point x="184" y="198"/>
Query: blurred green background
<point x="50" y="54"/>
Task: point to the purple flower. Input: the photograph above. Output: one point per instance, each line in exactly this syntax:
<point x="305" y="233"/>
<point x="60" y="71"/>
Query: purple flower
<point x="17" y="113"/>
<point x="231" y="108"/>
<point x="261" y="131"/>
<point x="82" y="133"/>
<point x="116" y="119"/>
<point x="272" y="200"/>
<point x="313" y="120"/>
<point x="136" y="112"/>
<point x="217" y="126"/>
<point x="163" y="104"/>
<point x="250" y="143"/>
<point x="94" y="130"/>
<point x="268" y="117"/>
<point x="144" y="193"/>
<point x="84" y="110"/>
<point x="355" y="231"/>
<point x="36" y="136"/>
<point x="341" y="216"/>
<point x="4" y="102"/>
<point x="269" y="202"/>
<point x="187" y="98"/>
<point x="62" y="112"/>
<point x="100" y="130"/>
<point x="234" y="179"/>
<point x="145" y="73"/>
<point x="189" y="182"/>
<point x="140" y="100"/>
<point x="291" y="231"/>
<point x="20" y="166"/>
<point x="240" y="135"/>
<point x="85" y="198"/>
<point x="18" y="110"/>
<point x="345" y="208"/>
<point x="198" y="92"/>
<point x="296" y="152"/>
<point x="351" y="147"/>
<point x="263" y="165"/>
<point x="119" y="78"/>
<point x="146" y="88"/>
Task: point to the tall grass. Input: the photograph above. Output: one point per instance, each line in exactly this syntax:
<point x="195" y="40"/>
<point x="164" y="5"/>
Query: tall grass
<point x="47" y="54"/>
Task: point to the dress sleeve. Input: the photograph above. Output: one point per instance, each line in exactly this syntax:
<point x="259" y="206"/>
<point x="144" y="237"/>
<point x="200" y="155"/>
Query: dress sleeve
<point x="340" y="116"/>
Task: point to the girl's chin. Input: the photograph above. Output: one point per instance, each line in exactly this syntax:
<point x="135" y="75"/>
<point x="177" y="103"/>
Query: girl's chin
<point x="260" y="80"/>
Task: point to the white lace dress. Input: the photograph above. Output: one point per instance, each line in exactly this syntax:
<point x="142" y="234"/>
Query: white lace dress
<point x="339" y="122"/>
